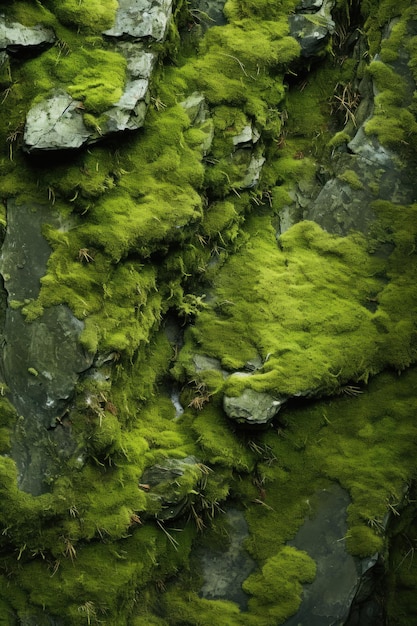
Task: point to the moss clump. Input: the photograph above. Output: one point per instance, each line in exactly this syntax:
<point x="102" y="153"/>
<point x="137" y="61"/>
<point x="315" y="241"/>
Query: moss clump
<point x="286" y="298"/>
<point x="351" y="178"/>
<point x="277" y="588"/>
<point x="90" y="17"/>
<point x="362" y="541"/>
<point x="96" y="77"/>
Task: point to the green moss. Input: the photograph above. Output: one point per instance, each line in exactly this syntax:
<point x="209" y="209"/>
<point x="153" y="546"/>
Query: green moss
<point x="362" y="541"/>
<point x="351" y="178"/>
<point x="91" y="16"/>
<point x="270" y="320"/>
<point x="277" y="588"/>
<point x="96" y="77"/>
<point x="148" y="222"/>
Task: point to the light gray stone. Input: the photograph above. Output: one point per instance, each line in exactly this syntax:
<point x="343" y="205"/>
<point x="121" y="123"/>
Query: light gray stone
<point x="16" y="38"/>
<point x="141" y="18"/>
<point x="252" y="407"/>
<point x="55" y="124"/>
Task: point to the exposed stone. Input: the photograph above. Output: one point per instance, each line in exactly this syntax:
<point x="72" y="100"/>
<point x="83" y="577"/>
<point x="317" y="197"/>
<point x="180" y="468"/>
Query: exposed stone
<point x="42" y="360"/>
<point x="225" y="568"/>
<point x="327" y="600"/>
<point x="252" y="408"/>
<point x="140" y="60"/>
<point x="55" y="124"/>
<point x="141" y="18"/>
<point x="199" y="114"/>
<point x="171" y="485"/>
<point x="202" y="362"/>
<point x="309" y="6"/>
<point x="5" y="72"/>
<point x="19" y="39"/>
<point x="313" y="30"/>
<point x="248" y="136"/>
<point x="255" y="161"/>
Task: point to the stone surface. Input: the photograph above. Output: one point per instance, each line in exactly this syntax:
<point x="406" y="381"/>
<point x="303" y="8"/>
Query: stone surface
<point x="55" y="124"/>
<point x="141" y="18"/>
<point x="42" y="360"/>
<point x="254" y="162"/>
<point x="226" y="567"/>
<point x="252" y="408"/>
<point x="198" y="112"/>
<point x="19" y="39"/>
<point x="313" y="30"/>
<point x="171" y="485"/>
<point x="327" y="600"/>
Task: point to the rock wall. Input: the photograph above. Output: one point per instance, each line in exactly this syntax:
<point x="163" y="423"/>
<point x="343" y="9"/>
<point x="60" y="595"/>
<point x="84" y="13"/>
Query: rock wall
<point x="208" y="297"/>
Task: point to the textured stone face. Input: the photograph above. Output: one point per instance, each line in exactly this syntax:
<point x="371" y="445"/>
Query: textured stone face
<point x="42" y="360"/>
<point x="55" y="124"/>
<point x="19" y="39"/>
<point x="252" y="408"/>
<point x="312" y="30"/>
<point x="141" y="18"/>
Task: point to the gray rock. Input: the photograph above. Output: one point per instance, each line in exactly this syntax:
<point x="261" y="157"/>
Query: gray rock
<point x="141" y="18"/>
<point x="248" y="136"/>
<point x="313" y="30"/>
<point x="55" y="124"/>
<point x="255" y="161"/>
<point x="327" y="600"/>
<point x="248" y="155"/>
<point x="202" y="362"/>
<point x="42" y="360"/>
<point x="19" y="39"/>
<point x="130" y="111"/>
<point x="252" y="408"/>
<point x="5" y="72"/>
<point x="171" y="485"/>
<point x="140" y="61"/>
<point x="199" y="114"/>
<point x="224" y="570"/>
<point x="309" y="6"/>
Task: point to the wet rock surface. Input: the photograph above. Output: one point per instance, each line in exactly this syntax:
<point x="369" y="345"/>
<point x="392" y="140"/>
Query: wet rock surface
<point x="41" y="359"/>
<point x="327" y="600"/>
<point x="225" y="568"/>
<point x="171" y="485"/>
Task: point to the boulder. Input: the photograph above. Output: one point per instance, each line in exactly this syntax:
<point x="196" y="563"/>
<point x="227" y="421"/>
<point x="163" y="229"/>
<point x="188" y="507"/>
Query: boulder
<point x="342" y="581"/>
<point x="17" y="39"/>
<point x="252" y="408"/>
